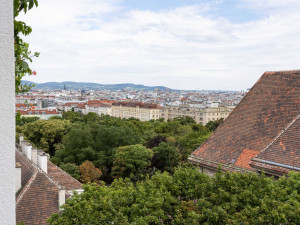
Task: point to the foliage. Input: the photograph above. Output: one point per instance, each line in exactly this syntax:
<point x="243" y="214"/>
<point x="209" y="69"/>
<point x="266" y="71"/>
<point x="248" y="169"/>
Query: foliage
<point x="23" y="120"/>
<point x="97" y="138"/>
<point x="165" y="157"/>
<point x="91" y="117"/>
<point x="185" y="120"/>
<point x="187" y="197"/>
<point x="188" y="143"/>
<point x="22" y="53"/>
<point x="154" y="142"/>
<point x="89" y="173"/>
<point x="72" y="116"/>
<point x="71" y="169"/>
<point x="76" y="145"/>
<point x="213" y="125"/>
<point x="46" y="134"/>
<point x="131" y="161"/>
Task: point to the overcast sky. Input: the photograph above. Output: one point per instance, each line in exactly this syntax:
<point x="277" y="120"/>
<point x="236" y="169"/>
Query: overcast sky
<point x="184" y="44"/>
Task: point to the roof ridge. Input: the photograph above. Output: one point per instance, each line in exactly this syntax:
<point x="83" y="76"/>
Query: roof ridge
<point x="39" y="170"/>
<point x="26" y="187"/>
<point x="63" y="171"/>
<point x="281" y="133"/>
<point x="280" y="71"/>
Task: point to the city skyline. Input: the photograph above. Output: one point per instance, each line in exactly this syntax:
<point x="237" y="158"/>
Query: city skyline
<point x="189" y="44"/>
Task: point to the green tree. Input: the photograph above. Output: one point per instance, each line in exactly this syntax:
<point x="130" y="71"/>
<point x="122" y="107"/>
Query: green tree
<point x="72" y="116"/>
<point x="213" y="125"/>
<point x="71" y="169"/>
<point x="23" y="120"/>
<point x="77" y="146"/>
<point x="91" y="117"/>
<point x="110" y="138"/>
<point x="132" y="161"/>
<point x="188" y="197"/>
<point x="165" y="157"/>
<point x="185" y="120"/>
<point x="46" y="134"/>
<point x="192" y="140"/>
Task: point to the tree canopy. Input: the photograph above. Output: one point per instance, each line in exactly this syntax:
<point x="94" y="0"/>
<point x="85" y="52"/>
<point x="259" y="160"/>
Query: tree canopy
<point x="187" y="197"/>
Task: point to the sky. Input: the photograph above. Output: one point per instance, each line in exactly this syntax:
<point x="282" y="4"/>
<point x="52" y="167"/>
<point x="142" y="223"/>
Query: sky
<point x="182" y="44"/>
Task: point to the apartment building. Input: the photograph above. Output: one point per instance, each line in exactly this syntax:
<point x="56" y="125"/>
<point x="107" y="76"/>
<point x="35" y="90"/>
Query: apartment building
<point x="100" y="109"/>
<point x="43" y="114"/>
<point x="201" y="115"/>
<point x="137" y="110"/>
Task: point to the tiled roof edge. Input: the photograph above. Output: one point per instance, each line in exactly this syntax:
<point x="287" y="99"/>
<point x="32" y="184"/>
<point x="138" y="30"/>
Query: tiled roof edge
<point x="26" y="187"/>
<point x="235" y="108"/>
<point x="64" y="171"/>
<point x="231" y="167"/>
<point x="39" y="170"/>
<point x="281" y="133"/>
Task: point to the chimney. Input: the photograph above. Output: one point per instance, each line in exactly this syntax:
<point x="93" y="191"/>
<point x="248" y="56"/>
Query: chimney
<point x="18" y="183"/>
<point x="61" y="197"/>
<point x="23" y="144"/>
<point x="21" y="138"/>
<point x="34" y="156"/>
<point x="42" y="162"/>
<point x="28" y="148"/>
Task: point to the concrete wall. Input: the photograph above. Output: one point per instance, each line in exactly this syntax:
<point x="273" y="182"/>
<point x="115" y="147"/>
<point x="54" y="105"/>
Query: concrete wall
<point x="7" y="115"/>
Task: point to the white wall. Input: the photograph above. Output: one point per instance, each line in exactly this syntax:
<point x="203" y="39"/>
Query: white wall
<point x="7" y="115"/>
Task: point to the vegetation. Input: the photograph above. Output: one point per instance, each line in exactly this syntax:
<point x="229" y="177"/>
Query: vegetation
<point x="138" y="162"/>
<point x="126" y="148"/>
<point x="213" y="125"/>
<point x="23" y="56"/>
<point x="187" y="197"/>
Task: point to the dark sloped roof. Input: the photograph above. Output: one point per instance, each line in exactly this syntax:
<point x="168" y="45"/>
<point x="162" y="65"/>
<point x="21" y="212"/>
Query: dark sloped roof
<point x="284" y="151"/>
<point x="38" y="202"/>
<point x="266" y="110"/>
<point x="62" y="178"/>
<point x="38" y="198"/>
<point x="27" y="168"/>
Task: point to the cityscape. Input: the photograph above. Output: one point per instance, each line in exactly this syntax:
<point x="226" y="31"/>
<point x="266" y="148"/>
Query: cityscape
<point x="138" y="112"/>
<point x="202" y="106"/>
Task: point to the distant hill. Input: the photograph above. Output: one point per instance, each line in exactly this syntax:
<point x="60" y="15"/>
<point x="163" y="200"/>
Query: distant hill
<point x="93" y="86"/>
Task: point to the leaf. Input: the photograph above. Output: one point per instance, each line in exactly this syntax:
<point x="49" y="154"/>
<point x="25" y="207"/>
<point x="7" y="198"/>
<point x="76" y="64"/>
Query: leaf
<point x="24" y="65"/>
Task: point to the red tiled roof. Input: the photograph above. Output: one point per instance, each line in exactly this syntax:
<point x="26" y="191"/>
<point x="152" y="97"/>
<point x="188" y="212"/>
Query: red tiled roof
<point x="71" y="103"/>
<point x="139" y="104"/>
<point x="62" y="178"/>
<point x="38" y="198"/>
<point x="82" y="106"/>
<point x="27" y="170"/>
<point x="39" y="201"/>
<point x="99" y="105"/>
<point x="285" y="149"/>
<point x="26" y="112"/>
<point x="271" y="104"/>
<point x="245" y="157"/>
<point x="21" y="105"/>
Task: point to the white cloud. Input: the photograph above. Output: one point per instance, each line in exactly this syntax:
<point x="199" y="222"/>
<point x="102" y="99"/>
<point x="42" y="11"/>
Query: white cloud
<point x="186" y="47"/>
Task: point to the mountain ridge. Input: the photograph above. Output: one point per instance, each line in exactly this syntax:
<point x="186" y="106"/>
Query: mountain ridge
<point x="71" y="85"/>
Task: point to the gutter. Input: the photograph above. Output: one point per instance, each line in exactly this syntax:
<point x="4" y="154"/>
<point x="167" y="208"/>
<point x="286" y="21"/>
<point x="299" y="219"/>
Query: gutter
<point x="214" y="165"/>
<point x="276" y="164"/>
